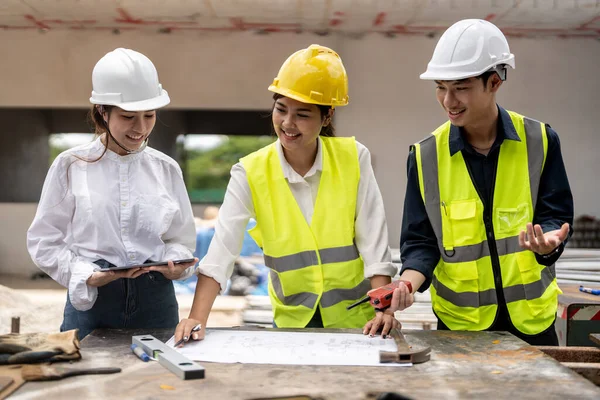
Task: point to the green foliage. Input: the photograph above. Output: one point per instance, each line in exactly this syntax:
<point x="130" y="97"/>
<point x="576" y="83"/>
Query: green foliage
<point x="55" y="151"/>
<point x="207" y="172"/>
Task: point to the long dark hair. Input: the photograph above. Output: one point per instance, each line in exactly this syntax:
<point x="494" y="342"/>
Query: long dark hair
<point x="327" y="131"/>
<point x="100" y="126"/>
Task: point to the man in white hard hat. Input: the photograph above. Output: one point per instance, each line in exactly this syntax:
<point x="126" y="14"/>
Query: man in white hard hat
<point x="488" y="206"/>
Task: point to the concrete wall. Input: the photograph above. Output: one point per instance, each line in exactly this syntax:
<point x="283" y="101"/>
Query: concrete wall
<point x="14" y="258"/>
<point x="24" y="154"/>
<point x="390" y="108"/>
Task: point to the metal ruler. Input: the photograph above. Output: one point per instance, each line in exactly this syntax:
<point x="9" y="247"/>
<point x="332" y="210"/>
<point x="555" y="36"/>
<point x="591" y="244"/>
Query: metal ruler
<point x="169" y="358"/>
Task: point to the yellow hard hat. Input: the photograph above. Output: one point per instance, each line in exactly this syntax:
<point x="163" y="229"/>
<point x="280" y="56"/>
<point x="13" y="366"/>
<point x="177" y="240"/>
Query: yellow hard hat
<point x="314" y="75"/>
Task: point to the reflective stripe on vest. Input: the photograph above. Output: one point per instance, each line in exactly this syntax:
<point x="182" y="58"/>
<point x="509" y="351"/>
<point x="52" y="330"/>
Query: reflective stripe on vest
<point x="308" y="258"/>
<point x="328" y="299"/>
<point x="488" y="297"/>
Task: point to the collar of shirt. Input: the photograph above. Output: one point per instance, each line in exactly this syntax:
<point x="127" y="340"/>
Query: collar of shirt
<point x="289" y="173"/>
<point x="506" y="130"/>
<point x="98" y="148"/>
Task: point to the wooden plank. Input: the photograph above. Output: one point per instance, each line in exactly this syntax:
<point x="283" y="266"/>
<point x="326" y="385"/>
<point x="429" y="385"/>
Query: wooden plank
<point x="463" y="365"/>
<point x="572" y="353"/>
<point x="590" y="371"/>
<point x="595" y="338"/>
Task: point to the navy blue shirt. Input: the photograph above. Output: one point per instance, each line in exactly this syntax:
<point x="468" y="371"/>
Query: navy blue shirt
<point x="418" y="244"/>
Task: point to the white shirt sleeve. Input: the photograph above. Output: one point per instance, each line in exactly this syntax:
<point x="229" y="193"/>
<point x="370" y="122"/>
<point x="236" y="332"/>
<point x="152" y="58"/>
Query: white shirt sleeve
<point x="370" y="225"/>
<point x="180" y="238"/>
<point x="234" y="214"/>
<point x="46" y="238"/>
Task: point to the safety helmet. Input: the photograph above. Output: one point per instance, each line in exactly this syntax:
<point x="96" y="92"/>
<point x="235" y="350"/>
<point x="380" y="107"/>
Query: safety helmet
<point x="469" y="48"/>
<point x="313" y="75"/>
<point x="127" y="79"/>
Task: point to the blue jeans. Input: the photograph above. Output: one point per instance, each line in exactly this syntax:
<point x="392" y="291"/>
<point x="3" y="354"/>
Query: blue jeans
<point x="147" y="301"/>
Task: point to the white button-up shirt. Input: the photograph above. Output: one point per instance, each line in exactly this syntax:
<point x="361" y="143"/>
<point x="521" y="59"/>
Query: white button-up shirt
<point x="370" y="225"/>
<point x="123" y="209"/>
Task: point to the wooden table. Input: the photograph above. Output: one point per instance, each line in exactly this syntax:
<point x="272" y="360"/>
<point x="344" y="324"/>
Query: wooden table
<point x="492" y="365"/>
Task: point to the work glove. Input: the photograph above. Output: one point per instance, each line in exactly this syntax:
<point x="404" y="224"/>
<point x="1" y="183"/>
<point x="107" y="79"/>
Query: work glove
<point x="28" y="348"/>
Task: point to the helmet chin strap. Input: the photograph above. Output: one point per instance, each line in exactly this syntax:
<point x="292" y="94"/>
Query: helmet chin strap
<point x="500" y="70"/>
<point x="128" y="151"/>
<point x="139" y="150"/>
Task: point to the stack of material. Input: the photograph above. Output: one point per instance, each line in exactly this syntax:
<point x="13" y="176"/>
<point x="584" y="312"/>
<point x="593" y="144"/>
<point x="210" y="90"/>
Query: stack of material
<point x="586" y="233"/>
<point x="258" y="312"/>
<point x="249" y="277"/>
<point x="420" y="315"/>
<point x="579" y="266"/>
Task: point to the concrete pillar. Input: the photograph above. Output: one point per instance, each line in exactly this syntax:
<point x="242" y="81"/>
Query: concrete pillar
<point x="24" y="154"/>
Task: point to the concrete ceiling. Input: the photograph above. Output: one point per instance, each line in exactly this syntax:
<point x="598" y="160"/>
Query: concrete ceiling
<point x="564" y="18"/>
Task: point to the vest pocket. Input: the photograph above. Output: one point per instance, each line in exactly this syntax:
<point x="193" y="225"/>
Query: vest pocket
<point x="461" y="216"/>
<point x="457" y="293"/>
<point x="531" y="277"/>
<point x="460" y="292"/>
<point x="510" y="221"/>
<point x="465" y="274"/>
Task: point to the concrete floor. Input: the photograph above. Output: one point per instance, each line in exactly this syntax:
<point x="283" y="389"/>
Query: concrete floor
<point x="39" y="303"/>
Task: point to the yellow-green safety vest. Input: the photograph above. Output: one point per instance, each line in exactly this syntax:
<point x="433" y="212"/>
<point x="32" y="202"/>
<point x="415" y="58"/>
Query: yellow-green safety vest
<point x="314" y="267"/>
<point x="463" y="292"/>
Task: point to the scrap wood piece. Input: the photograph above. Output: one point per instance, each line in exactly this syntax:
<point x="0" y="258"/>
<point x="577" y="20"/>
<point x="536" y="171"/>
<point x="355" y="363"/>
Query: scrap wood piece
<point x="572" y="353"/>
<point x="595" y="338"/>
<point x="14" y="373"/>
<point x="590" y="371"/>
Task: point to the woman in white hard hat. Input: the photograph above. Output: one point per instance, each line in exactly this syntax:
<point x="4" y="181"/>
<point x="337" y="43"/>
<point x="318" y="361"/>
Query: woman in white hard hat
<point x="116" y="202"/>
<point x="488" y="206"/>
<point x="319" y="211"/>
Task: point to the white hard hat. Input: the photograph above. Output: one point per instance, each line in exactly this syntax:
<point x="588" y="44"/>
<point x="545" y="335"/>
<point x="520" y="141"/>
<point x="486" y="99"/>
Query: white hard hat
<point x="469" y="48"/>
<point x="127" y="79"/>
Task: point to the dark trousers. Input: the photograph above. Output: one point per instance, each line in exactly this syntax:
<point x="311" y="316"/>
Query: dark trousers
<point x="147" y="301"/>
<point x="315" y="322"/>
<point x="503" y="323"/>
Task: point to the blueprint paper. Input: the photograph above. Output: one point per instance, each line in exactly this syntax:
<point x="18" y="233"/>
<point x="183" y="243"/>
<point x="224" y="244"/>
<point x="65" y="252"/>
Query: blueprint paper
<point x="288" y="348"/>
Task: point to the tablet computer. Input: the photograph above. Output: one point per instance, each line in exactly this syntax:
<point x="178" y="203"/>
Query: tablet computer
<point x="150" y="264"/>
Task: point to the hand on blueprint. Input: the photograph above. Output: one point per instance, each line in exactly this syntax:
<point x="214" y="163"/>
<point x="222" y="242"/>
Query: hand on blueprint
<point x="184" y="331"/>
<point x="383" y="320"/>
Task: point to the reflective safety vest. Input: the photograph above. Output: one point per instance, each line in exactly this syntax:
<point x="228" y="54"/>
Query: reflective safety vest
<point x="316" y="265"/>
<point x="463" y="292"/>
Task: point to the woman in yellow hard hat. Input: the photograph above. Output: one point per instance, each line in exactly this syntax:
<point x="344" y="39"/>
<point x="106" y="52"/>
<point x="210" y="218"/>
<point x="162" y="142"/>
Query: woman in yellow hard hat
<point x="319" y="211"/>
